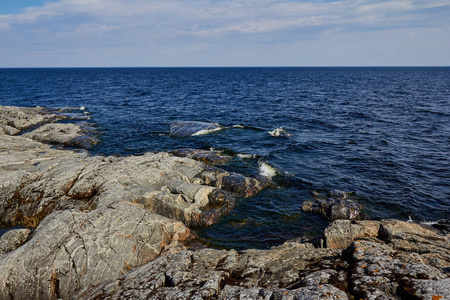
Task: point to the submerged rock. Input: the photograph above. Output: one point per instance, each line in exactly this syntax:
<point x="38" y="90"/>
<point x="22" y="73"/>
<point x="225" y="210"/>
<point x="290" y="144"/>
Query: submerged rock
<point x="190" y="128"/>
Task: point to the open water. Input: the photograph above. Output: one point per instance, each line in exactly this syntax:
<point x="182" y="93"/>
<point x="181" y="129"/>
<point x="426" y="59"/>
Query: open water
<point x="383" y="133"/>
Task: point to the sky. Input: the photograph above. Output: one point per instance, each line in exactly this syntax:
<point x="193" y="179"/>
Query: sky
<point x="177" y="33"/>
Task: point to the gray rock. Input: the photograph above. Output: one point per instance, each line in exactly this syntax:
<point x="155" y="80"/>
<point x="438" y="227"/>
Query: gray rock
<point x="72" y="249"/>
<point x="22" y="118"/>
<point x="190" y="128"/>
<point x="10" y="130"/>
<point x="12" y="239"/>
<point x="66" y="134"/>
<point x="428" y="289"/>
<point x="305" y="293"/>
<point x="212" y="273"/>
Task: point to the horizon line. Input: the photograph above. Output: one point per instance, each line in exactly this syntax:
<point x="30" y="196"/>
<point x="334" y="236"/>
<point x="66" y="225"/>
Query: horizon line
<point x="211" y="67"/>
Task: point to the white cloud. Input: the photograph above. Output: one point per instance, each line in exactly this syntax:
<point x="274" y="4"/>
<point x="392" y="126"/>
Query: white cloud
<point x="133" y="27"/>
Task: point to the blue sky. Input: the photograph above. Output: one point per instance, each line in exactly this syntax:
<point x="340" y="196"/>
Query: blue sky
<point x="118" y="33"/>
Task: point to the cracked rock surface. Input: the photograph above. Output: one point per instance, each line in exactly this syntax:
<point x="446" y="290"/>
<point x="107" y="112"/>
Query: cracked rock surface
<point x="375" y="265"/>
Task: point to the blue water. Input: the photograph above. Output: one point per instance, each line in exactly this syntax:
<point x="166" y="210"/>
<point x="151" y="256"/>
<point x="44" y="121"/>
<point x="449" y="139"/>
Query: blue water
<point x="383" y="133"/>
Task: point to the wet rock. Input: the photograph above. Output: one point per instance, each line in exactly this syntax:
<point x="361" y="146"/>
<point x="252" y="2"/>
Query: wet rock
<point x="336" y="205"/>
<point x="190" y="128"/>
<point x="208" y="157"/>
<point x="72" y="249"/>
<point x="68" y="135"/>
<point x="12" y="239"/>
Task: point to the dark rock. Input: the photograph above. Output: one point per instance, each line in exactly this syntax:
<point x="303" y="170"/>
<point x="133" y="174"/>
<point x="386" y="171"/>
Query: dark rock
<point x="335" y="206"/>
<point x="190" y="128"/>
<point x="208" y="157"/>
<point x="233" y="182"/>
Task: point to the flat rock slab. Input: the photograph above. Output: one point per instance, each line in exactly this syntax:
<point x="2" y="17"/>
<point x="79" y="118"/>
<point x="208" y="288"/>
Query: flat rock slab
<point x="66" y="134"/>
<point x="22" y="118"/>
<point x="71" y="249"/>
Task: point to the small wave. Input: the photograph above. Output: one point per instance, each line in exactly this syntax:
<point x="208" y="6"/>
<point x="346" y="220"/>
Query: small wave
<point x="244" y="155"/>
<point x="279" y="132"/>
<point x="430" y="223"/>
<point x="82" y="107"/>
<point x="206" y="131"/>
<point x="238" y="126"/>
<point x="267" y="170"/>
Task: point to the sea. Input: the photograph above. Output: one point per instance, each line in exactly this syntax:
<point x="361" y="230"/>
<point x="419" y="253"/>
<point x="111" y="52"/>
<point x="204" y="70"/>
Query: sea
<point x="382" y="133"/>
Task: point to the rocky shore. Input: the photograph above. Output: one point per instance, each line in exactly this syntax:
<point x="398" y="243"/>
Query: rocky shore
<point x="121" y="228"/>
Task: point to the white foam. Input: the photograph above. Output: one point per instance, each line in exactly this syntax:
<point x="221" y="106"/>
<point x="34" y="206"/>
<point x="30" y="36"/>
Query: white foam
<point x="244" y="155"/>
<point x="82" y="107"/>
<point x="206" y="131"/>
<point x="238" y="126"/>
<point x="429" y="223"/>
<point x="279" y="132"/>
<point x="410" y="220"/>
<point x="267" y="170"/>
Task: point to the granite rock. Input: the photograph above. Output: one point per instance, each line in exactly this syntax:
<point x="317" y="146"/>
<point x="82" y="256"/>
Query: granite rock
<point x="12" y="239"/>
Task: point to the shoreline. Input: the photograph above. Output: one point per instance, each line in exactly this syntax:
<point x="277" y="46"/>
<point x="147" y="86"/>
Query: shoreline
<point x="105" y="224"/>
